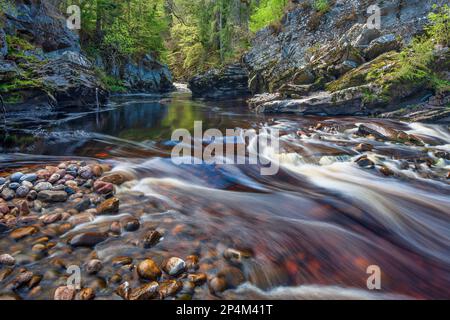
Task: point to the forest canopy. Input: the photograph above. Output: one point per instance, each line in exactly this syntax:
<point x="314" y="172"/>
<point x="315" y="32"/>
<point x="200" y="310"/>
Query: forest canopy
<point x="189" y="35"/>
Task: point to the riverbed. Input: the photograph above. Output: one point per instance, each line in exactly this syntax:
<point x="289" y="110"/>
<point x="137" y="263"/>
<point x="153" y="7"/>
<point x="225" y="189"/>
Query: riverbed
<point x="350" y="193"/>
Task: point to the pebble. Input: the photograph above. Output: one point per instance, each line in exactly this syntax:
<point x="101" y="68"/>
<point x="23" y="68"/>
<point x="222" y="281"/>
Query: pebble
<point x="169" y="288"/>
<point x="35" y="280"/>
<point x="130" y="224"/>
<point x="31" y="177"/>
<point x="23" y="232"/>
<point x="124" y="290"/>
<point x="115" y="227"/>
<point x="145" y="292"/>
<point x="365" y="163"/>
<point x="114" y="178"/>
<point x="22" y="279"/>
<point x="86" y="294"/>
<point x="386" y="171"/>
<point x="52" y="196"/>
<point x="85" y="172"/>
<point x="27" y="184"/>
<point x="23" y="207"/>
<point x="4" y="209"/>
<point x="151" y="238"/>
<point x="65" y="293"/>
<point x="148" y="270"/>
<point x="7" y="260"/>
<point x="102" y="187"/>
<point x="42" y="186"/>
<point x="14" y="186"/>
<point x="217" y="285"/>
<point x="83" y="205"/>
<point x="198" y="279"/>
<point x="121" y="261"/>
<point x="32" y="195"/>
<point x="22" y="191"/>
<point x="15" y="177"/>
<point x="174" y="266"/>
<point x="2" y="181"/>
<point x="54" y="178"/>
<point x="51" y="218"/>
<point x="7" y="194"/>
<point x="108" y="206"/>
<point x="88" y="239"/>
<point x="94" y="266"/>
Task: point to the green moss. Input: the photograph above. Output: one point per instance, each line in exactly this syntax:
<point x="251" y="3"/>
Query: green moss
<point x="111" y="83"/>
<point x="16" y="43"/>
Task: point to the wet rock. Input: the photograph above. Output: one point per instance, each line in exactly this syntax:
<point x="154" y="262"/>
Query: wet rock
<point x="124" y="290"/>
<point x="115" y="227"/>
<point x="122" y="261"/>
<point x="232" y="276"/>
<point x="51" y="218"/>
<point x="7" y="194"/>
<point x="108" y="206"/>
<point x="117" y="278"/>
<point x="130" y="224"/>
<point x="151" y="238"/>
<point x="234" y="255"/>
<point x="85" y="172"/>
<point x="22" y="192"/>
<point x="22" y="279"/>
<point x="94" y="266"/>
<point x="97" y="170"/>
<point x="43" y="186"/>
<point x="192" y="263"/>
<point x="148" y="270"/>
<point x="32" y="195"/>
<point x="365" y="163"/>
<point x="88" y="239"/>
<point x="7" y="260"/>
<point x="169" y="288"/>
<point x="53" y="196"/>
<point x="217" y="285"/>
<point x="39" y="247"/>
<point x="54" y="178"/>
<point x="188" y="288"/>
<point x="21" y="233"/>
<point x="15" y="177"/>
<point x="116" y="178"/>
<point x="174" y="266"/>
<point x="65" y="293"/>
<point x="35" y="280"/>
<point x="31" y="177"/>
<point x="86" y="294"/>
<point x="5" y="273"/>
<point x="2" y="181"/>
<point x="23" y="207"/>
<point x="386" y="171"/>
<point x="14" y="185"/>
<point x="103" y="187"/>
<point x="83" y="205"/>
<point x="4" y="209"/>
<point x="364" y="147"/>
<point x="197" y="279"/>
<point x="145" y="292"/>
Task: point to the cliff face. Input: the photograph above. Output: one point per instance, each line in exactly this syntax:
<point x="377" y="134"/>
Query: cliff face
<point x="331" y="63"/>
<point x="41" y="61"/>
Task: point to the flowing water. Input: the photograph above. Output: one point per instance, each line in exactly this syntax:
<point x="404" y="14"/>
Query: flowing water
<point x="310" y="231"/>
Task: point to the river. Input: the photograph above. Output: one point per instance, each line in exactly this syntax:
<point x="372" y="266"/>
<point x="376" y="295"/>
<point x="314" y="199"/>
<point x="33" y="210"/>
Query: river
<point x="310" y="231"/>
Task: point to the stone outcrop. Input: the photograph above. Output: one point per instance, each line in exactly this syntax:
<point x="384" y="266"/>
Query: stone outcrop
<point x="303" y="67"/>
<point x="229" y="82"/>
<point x="148" y="75"/>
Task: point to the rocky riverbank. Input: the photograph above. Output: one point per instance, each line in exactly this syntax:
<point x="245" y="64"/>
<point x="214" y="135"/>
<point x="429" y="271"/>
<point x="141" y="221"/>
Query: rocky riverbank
<point x="299" y="66"/>
<point x="42" y="63"/>
<point x="44" y="212"/>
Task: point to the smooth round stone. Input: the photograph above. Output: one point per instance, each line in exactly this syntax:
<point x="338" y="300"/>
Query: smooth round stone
<point x="15" y="177"/>
<point x="149" y="270"/>
<point x="94" y="266"/>
<point x="2" y="181"/>
<point x="7" y="194"/>
<point x="85" y="172"/>
<point x="22" y="191"/>
<point x="14" y="185"/>
<point x="174" y="266"/>
<point x="32" y="195"/>
<point x="42" y="186"/>
<point x="7" y="260"/>
<point x="27" y="184"/>
<point x="65" y="293"/>
<point x="54" y="177"/>
<point x="31" y="177"/>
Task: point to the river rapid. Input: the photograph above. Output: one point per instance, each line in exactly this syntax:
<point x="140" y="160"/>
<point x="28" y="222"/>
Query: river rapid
<point x="350" y="193"/>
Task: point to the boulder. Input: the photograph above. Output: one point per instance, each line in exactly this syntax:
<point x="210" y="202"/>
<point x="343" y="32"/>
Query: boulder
<point x="8" y="71"/>
<point x="229" y="82"/>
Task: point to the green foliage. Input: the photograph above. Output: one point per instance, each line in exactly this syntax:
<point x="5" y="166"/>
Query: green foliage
<point x="322" y="6"/>
<point x="112" y="84"/>
<point x="439" y="27"/>
<point x="267" y="13"/>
